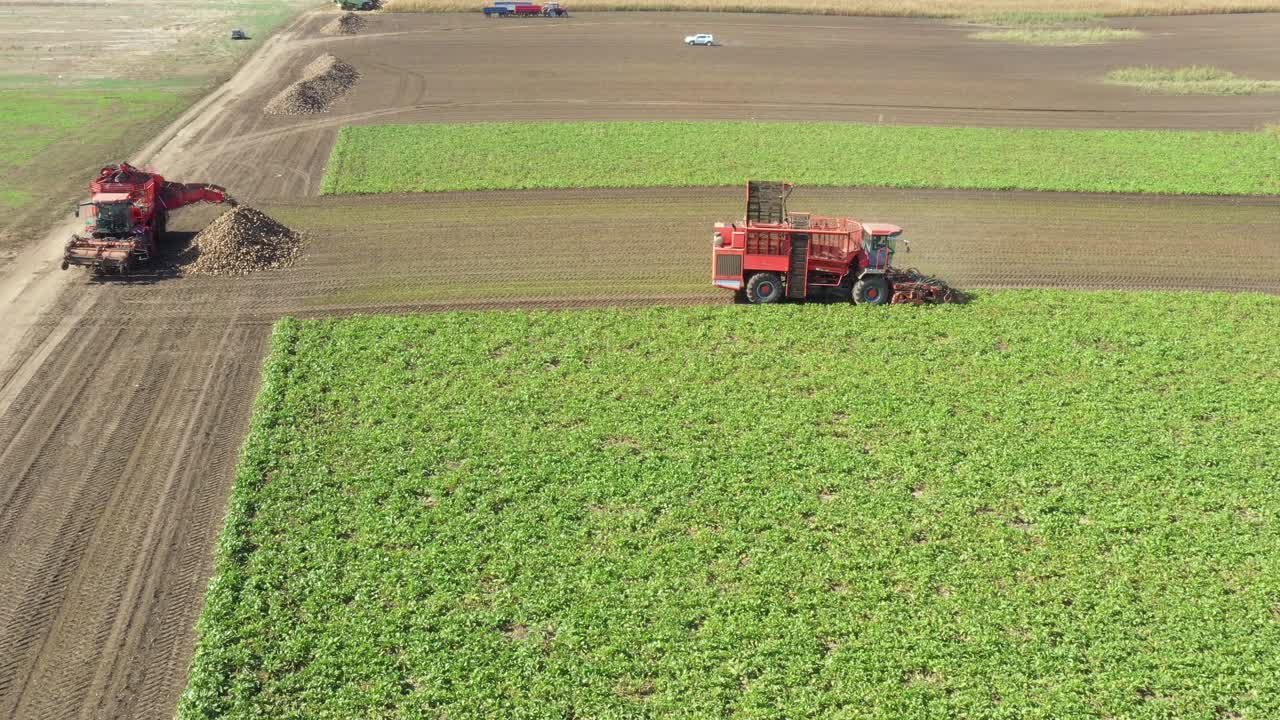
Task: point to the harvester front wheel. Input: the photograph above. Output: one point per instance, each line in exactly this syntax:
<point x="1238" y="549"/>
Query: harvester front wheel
<point x="871" y="290"/>
<point x="764" y="288"/>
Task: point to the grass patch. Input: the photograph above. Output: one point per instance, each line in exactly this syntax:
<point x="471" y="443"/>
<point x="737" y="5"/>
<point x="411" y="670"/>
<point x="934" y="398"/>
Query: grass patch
<point x="1060" y="37"/>
<point x="486" y="156"/>
<point x="1039" y="505"/>
<point x="1193" y="80"/>
<point x="1033" y="19"/>
<point x="66" y="127"/>
<point x="896" y="8"/>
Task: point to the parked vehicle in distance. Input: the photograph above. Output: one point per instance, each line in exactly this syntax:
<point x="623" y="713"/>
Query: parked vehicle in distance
<point x="701" y="39"/>
<point x="239" y="35"/>
<point x="525" y="9"/>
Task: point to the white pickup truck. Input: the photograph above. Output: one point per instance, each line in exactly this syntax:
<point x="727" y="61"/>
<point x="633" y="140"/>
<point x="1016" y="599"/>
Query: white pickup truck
<point x="700" y="39"/>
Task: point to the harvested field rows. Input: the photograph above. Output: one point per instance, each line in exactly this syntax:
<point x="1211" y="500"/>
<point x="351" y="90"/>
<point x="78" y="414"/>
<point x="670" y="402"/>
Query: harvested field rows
<point x="117" y="451"/>
<point x="471" y="249"/>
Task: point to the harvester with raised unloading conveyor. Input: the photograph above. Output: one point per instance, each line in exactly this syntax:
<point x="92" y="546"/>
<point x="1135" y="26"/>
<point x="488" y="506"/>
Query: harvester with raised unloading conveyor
<point x="126" y="215"/>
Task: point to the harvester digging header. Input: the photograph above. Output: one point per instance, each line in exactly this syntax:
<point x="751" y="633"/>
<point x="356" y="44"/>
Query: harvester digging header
<point x="126" y="215"/>
<point x="774" y="253"/>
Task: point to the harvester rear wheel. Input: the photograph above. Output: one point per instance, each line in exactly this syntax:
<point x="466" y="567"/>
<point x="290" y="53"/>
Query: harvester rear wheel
<point x="871" y="290"/>
<point x="764" y="288"/>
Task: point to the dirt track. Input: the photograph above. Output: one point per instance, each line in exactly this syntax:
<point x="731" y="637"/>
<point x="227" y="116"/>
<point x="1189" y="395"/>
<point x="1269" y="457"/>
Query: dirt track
<point x="121" y="410"/>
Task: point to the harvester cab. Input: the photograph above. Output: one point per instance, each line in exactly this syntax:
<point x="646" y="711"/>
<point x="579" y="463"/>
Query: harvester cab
<point x="108" y="216"/>
<point x="880" y="243"/>
<point x="775" y="254"/>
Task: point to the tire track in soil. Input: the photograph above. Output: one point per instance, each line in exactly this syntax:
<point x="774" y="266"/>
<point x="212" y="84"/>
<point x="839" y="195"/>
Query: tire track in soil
<point x="111" y="546"/>
<point x="51" y="529"/>
<point x="71" y="383"/>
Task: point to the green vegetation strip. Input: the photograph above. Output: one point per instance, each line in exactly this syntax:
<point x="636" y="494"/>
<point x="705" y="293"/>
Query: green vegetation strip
<point x="44" y="132"/>
<point x="491" y="156"/>
<point x="1193" y="80"/>
<point x="1061" y="37"/>
<point x="1040" y="505"/>
<point x="1033" y="19"/>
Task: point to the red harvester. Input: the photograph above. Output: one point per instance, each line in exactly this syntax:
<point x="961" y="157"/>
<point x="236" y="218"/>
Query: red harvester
<point x="775" y="253"/>
<point x="125" y="217"/>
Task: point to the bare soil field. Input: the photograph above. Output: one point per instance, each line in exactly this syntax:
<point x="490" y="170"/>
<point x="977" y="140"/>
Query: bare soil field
<point x="122" y="403"/>
<point x="625" y="66"/>
<point x="644" y="246"/>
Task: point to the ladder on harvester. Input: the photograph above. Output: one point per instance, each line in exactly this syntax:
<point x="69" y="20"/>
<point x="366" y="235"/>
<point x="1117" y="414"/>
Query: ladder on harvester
<point x="798" y="262"/>
<point x="798" y="267"/>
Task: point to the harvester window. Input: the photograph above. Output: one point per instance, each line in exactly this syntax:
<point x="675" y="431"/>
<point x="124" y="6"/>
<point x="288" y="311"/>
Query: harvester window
<point x="114" y="218"/>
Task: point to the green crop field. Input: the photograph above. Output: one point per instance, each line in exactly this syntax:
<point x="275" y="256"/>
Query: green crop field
<point x="1039" y="505"/>
<point x="47" y="129"/>
<point x="491" y="156"/>
<point x="1194" y="80"/>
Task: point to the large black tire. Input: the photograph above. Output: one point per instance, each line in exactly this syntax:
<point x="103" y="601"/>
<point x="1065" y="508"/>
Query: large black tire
<point x="764" y="288"/>
<point x="871" y="290"/>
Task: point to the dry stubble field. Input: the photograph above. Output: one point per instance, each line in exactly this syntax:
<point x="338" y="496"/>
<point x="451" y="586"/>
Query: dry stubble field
<point x="121" y="412"/>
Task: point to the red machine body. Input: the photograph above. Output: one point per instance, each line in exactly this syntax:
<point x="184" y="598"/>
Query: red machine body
<point x="126" y="215"/>
<point x="774" y="254"/>
<point x="774" y="251"/>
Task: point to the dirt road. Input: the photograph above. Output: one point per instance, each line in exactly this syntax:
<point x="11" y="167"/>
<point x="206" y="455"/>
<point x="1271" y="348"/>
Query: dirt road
<point x="121" y="408"/>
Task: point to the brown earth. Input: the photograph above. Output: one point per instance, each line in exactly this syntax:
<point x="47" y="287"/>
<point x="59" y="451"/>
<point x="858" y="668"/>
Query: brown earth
<point x="629" y="66"/>
<point x="121" y="408"/>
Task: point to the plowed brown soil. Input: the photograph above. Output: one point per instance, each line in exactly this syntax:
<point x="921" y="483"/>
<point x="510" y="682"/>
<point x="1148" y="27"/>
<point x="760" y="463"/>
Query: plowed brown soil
<point x="606" y="246"/>
<point x="121" y="406"/>
<point x="633" y="66"/>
